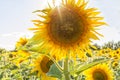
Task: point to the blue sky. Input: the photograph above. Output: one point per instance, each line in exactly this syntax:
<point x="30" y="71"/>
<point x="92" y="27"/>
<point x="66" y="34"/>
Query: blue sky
<point x="16" y="16"/>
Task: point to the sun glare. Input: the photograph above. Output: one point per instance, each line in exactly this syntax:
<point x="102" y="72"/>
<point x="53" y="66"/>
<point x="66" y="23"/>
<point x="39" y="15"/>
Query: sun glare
<point x="57" y="2"/>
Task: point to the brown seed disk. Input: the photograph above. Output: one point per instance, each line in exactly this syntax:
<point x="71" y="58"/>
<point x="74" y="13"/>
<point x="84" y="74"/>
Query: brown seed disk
<point x="65" y="26"/>
<point x="99" y="75"/>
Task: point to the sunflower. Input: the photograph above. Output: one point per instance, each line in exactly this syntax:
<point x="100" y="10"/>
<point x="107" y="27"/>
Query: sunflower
<point x="21" y="42"/>
<point x="115" y="64"/>
<point x="42" y="65"/>
<point x="67" y="28"/>
<point x="19" y="57"/>
<point x="99" y="72"/>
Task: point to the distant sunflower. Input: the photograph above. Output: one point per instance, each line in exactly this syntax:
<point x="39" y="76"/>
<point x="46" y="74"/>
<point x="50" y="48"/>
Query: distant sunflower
<point x="99" y="72"/>
<point x="20" y="56"/>
<point x="69" y="27"/>
<point x="42" y="65"/>
<point x="115" y="64"/>
<point x="21" y="42"/>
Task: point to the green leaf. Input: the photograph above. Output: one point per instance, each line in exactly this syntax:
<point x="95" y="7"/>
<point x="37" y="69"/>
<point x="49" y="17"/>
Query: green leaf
<point x="1" y="75"/>
<point x="14" y="71"/>
<point x="86" y="66"/>
<point x="54" y="71"/>
<point x="0" y="57"/>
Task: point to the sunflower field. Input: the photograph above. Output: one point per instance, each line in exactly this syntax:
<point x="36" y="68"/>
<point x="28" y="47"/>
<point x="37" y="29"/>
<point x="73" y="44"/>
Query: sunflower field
<point x="62" y="48"/>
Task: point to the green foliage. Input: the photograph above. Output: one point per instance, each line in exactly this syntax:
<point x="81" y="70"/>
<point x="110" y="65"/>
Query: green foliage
<point x="10" y="71"/>
<point x="110" y="44"/>
<point x="2" y="50"/>
<point x="55" y="72"/>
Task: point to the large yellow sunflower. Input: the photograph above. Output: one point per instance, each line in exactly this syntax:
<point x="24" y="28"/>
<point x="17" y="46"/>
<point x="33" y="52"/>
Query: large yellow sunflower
<point x="99" y="72"/>
<point x="67" y="28"/>
<point x="42" y="65"/>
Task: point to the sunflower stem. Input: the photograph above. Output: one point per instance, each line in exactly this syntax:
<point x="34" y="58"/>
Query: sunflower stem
<point x="66" y="69"/>
<point x="58" y="66"/>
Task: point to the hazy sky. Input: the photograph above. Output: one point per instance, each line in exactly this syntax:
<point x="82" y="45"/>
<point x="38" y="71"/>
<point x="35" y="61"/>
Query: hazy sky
<point x="16" y="16"/>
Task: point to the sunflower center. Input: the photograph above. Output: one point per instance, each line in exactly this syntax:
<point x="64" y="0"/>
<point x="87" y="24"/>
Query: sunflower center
<point x="45" y="64"/>
<point x="99" y="75"/>
<point x="65" y="26"/>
